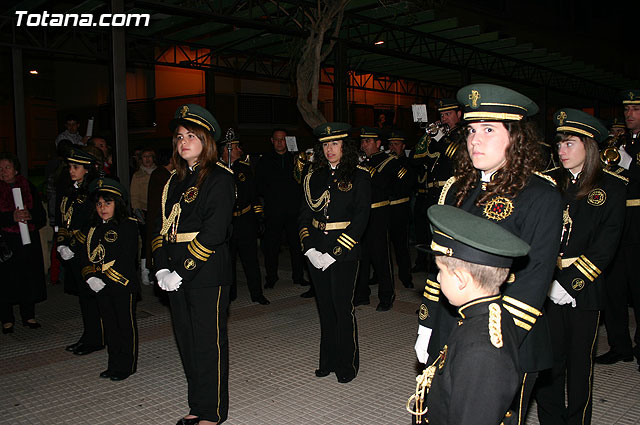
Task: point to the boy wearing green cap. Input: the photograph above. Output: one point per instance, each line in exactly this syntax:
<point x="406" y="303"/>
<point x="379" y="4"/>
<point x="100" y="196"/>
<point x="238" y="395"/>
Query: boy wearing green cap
<point x="476" y="374"/>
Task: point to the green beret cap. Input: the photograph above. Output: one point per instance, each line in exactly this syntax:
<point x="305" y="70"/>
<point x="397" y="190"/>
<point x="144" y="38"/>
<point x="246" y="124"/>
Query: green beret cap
<point x="447" y="104"/>
<point x="77" y="155"/>
<point x="108" y="185"/>
<point x="332" y="131"/>
<point x="579" y="123"/>
<point x="488" y="102"/>
<point x="630" y="97"/>
<point x="459" y="234"/>
<point x="198" y="115"/>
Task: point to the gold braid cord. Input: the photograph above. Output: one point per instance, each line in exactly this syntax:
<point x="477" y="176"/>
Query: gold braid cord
<point x="315" y="204"/>
<point x="174" y="216"/>
<point x="97" y="255"/>
<point x="495" y="330"/>
<point x="423" y="384"/>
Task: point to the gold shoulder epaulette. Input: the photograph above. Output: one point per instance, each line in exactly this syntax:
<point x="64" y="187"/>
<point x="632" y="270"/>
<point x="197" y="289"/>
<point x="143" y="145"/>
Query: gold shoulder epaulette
<point x="445" y="189"/>
<point x="623" y="178"/>
<point x="495" y="326"/>
<point x="221" y="165"/>
<point x="547" y="178"/>
<point x="363" y="168"/>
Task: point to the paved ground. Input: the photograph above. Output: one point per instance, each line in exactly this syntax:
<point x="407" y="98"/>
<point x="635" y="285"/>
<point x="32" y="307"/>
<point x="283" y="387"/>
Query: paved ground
<point x="273" y="354"/>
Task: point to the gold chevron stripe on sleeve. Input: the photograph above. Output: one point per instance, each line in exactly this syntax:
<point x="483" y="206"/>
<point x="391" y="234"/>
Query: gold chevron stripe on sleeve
<point x="116" y="277"/>
<point x="582" y="269"/>
<point x="197" y="254"/>
<point x="522" y="324"/>
<point x="202" y="247"/>
<point x="521" y="305"/>
<point x="402" y="172"/>
<point x="431" y="297"/>
<point x="590" y="265"/>
<point x="520" y="314"/>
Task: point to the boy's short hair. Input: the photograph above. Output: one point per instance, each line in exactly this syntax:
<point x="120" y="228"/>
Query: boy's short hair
<point x="487" y="278"/>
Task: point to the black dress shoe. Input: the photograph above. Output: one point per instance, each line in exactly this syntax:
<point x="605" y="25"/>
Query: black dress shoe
<point x="344" y="379"/>
<point x="261" y="300"/>
<point x="190" y="421"/>
<point x="611" y="357"/>
<point x="84" y="349"/>
<point x="72" y="347"/>
<point x="321" y="373"/>
<point x="361" y="302"/>
<point x="32" y="325"/>
<point x="386" y="305"/>
<point x="120" y="377"/>
<point x="408" y="284"/>
<point x="8" y="330"/>
<point x="308" y="294"/>
<point x="105" y="374"/>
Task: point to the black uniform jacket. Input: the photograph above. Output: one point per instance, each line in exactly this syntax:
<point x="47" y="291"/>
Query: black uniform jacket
<point x="346" y="210"/>
<point x="206" y="213"/>
<point x="591" y="233"/>
<point x="438" y="156"/>
<point x="477" y="374"/>
<point x="276" y="183"/>
<point x="110" y="254"/>
<point x="247" y="201"/>
<point x="631" y="232"/>
<point x="75" y="209"/>
<point x="409" y="179"/>
<point x="534" y="215"/>
<point x="388" y="177"/>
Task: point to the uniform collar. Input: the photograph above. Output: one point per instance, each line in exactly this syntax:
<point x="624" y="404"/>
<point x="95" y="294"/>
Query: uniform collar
<point x="477" y="306"/>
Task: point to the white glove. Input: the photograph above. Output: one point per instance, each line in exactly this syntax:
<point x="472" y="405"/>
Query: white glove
<point x="96" y="284"/>
<point x="314" y="257"/>
<point x="559" y="295"/>
<point x="422" y="344"/>
<point x="327" y="260"/>
<point x="625" y="158"/>
<point x="172" y="281"/>
<point x="160" y="275"/>
<point x="65" y="252"/>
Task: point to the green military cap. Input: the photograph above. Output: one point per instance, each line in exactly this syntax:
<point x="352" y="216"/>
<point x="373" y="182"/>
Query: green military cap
<point x="579" y="123"/>
<point x="108" y="185"/>
<point x="617" y="123"/>
<point x="447" y="104"/>
<point x="77" y="155"/>
<point x="332" y="131"/>
<point x="459" y="234"/>
<point x="369" y="133"/>
<point x="198" y="115"/>
<point x="488" y="102"/>
<point x="397" y="135"/>
<point x="630" y="97"/>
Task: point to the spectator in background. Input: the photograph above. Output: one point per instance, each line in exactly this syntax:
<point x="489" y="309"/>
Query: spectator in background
<point x="139" y="193"/>
<point x="71" y="131"/>
<point x="23" y="281"/>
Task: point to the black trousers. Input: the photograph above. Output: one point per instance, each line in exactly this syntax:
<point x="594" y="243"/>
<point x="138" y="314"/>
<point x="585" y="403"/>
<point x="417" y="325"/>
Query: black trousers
<point x="375" y="252"/>
<point x="573" y="337"/>
<point x="244" y="243"/>
<point x="334" y="287"/>
<point x="622" y="288"/>
<point x="275" y="225"/>
<point x="27" y="311"/>
<point x="121" y="331"/>
<point x="399" y="236"/>
<point x="421" y="226"/>
<point x="92" y="330"/>
<point x="200" y="327"/>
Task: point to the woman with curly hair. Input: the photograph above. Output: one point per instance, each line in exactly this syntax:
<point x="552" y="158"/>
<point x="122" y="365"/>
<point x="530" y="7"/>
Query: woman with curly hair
<point x="496" y="178"/>
<point x="332" y="219"/>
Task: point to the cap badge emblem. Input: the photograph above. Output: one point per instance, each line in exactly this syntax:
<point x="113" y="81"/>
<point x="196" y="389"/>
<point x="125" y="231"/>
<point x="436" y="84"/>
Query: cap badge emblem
<point x="183" y="111"/>
<point x="473" y="97"/>
<point x="631" y="95"/>
<point x="561" y="117"/>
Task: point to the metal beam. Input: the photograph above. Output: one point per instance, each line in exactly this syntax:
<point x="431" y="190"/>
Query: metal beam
<point x="19" y="113"/>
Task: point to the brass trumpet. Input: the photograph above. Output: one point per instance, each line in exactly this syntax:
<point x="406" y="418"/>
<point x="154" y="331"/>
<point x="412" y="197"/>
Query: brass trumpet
<point x="435" y="127"/>
<point x="610" y="155"/>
